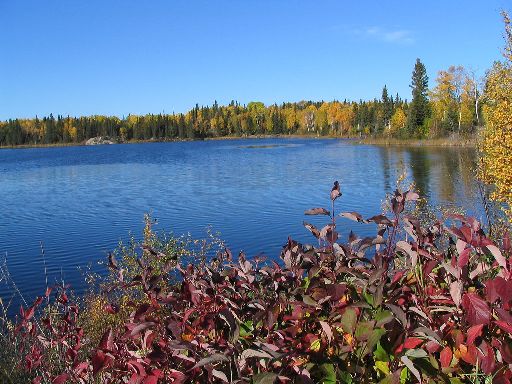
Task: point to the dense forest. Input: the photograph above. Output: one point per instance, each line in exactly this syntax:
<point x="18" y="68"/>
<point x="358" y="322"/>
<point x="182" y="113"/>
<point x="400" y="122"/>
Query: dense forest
<point x="451" y="106"/>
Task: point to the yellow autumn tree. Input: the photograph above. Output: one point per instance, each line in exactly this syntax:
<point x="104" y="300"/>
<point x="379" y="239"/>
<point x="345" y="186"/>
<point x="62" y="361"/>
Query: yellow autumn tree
<point x="398" y="121"/>
<point x="497" y="135"/>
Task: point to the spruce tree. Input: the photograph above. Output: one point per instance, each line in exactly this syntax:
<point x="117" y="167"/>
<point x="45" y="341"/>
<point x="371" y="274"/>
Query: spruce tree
<point x="419" y="108"/>
<point x="387" y="106"/>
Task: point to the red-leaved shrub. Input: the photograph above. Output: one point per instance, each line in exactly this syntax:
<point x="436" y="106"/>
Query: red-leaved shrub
<point x="395" y="308"/>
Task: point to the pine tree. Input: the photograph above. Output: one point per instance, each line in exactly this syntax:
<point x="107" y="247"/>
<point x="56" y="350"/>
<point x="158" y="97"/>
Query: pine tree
<point x="387" y="106"/>
<point x="419" y="108"/>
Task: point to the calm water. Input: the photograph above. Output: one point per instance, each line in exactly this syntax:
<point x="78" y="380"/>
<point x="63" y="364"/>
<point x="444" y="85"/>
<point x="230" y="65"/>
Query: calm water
<point x="80" y="201"/>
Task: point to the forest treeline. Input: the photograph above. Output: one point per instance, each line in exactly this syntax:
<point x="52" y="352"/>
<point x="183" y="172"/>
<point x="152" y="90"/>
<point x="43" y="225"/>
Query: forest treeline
<point x="451" y="106"/>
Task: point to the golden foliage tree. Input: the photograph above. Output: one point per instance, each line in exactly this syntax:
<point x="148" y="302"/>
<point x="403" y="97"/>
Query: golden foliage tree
<point x="398" y="121"/>
<point x="497" y="138"/>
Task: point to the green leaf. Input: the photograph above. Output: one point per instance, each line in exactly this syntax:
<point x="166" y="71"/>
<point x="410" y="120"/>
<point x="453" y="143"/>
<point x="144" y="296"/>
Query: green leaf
<point x="328" y="373"/>
<point x="382" y="366"/>
<point x="380" y="353"/>
<point x="428" y="366"/>
<point x="309" y="301"/>
<point x="368" y="297"/>
<point x="383" y="317"/>
<point x="364" y="330"/>
<point x="416" y="353"/>
<point x="374" y="338"/>
<point x="404" y="375"/>
<point x="348" y="320"/>
<point x="389" y="379"/>
<point x="264" y="378"/>
<point x="345" y="378"/>
<point x="410" y="366"/>
<point x="246" y="328"/>
<point x="315" y="345"/>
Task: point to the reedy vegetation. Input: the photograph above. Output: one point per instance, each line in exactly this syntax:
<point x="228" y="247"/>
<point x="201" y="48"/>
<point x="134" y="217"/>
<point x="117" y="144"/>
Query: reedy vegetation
<point x="412" y="304"/>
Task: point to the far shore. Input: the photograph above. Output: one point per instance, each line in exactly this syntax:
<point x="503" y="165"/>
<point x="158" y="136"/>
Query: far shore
<point x="383" y="141"/>
<point x="176" y="140"/>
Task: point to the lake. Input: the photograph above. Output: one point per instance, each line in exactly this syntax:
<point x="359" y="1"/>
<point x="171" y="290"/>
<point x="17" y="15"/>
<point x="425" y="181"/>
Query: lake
<point x="80" y="201"/>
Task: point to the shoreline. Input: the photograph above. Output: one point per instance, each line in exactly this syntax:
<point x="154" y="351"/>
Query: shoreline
<point x="251" y="137"/>
<point x="380" y="141"/>
<point x="439" y="142"/>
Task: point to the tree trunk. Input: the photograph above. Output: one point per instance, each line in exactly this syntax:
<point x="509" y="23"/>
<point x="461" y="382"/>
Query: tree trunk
<point x="460" y="117"/>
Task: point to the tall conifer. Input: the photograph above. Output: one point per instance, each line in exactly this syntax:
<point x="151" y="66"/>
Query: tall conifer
<point x="419" y="108"/>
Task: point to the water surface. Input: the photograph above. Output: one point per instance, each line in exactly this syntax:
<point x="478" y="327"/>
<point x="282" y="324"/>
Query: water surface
<point x="80" y="201"/>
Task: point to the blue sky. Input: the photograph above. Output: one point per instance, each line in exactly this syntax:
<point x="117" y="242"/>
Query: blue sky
<point x="120" y="57"/>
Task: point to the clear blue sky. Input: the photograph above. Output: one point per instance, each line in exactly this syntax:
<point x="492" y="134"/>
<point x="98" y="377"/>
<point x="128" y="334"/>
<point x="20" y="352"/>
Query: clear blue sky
<point x="120" y="57"/>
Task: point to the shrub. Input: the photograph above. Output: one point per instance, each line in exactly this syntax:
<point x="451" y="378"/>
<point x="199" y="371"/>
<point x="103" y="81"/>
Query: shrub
<point x="411" y="304"/>
<point x="496" y="167"/>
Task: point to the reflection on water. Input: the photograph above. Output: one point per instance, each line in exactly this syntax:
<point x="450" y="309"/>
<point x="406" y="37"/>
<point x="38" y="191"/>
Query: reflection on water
<point x="444" y="175"/>
<point x="267" y="146"/>
<point x="79" y="201"/>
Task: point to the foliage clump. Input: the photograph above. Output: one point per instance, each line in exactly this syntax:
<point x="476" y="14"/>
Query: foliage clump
<point x="496" y="146"/>
<point x="411" y="304"/>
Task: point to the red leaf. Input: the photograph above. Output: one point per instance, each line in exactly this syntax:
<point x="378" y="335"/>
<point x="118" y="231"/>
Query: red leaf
<point x="352" y="216"/>
<point x="112" y="263"/>
<point x="504" y="326"/>
<point x="141" y="311"/>
<point x="506" y="242"/>
<point x="498" y="288"/>
<point x="61" y="379"/>
<point x="99" y="361"/>
<point x="317" y="211"/>
<point x="487" y="359"/>
<point x="398" y="275"/>
<point x="456" y="292"/>
<point x="141" y="328"/>
<point x="412" y="342"/>
<point x="311" y="228"/>
<point x="504" y="315"/>
<point x="178" y="377"/>
<point x="474" y="332"/>
<point x="464" y="257"/>
<point x="496" y="253"/>
<point x="29" y="313"/>
<point x="335" y="191"/>
<point x="381" y="220"/>
<point x="63" y="298"/>
<point x="446" y="357"/>
<point x="468" y="353"/>
<point x="500" y="378"/>
<point x="138" y="367"/>
<point x="151" y="380"/>
<point x="157" y="355"/>
<point x="411" y="196"/>
<point x="328" y="233"/>
<point x="38" y="301"/>
<point x="107" y="340"/>
<point x="111" y="308"/>
<point x="477" y="310"/>
<point x="432" y="346"/>
<point x="78" y="369"/>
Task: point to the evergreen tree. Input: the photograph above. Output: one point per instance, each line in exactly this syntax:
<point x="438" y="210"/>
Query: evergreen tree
<point x="387" y="106"/>
<point x="418" y="108"/>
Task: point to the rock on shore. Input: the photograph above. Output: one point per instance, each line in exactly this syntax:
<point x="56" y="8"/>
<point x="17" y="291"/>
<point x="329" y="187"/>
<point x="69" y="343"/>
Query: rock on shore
<point x="100" y="140"/>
